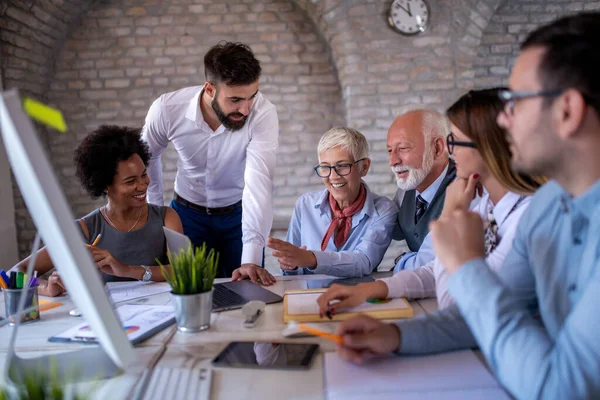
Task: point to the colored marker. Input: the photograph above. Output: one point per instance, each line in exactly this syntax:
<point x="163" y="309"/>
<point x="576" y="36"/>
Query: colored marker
<point x="4" y="277"/>
<point x="20" y="280"/>
<point x="12" y="280"/>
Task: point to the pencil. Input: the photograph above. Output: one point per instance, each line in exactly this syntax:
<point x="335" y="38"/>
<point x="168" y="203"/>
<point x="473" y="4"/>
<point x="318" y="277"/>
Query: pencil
<point x="320" y="333"/>
<point x="49" y="306"/>
<point x="97" y="239"/>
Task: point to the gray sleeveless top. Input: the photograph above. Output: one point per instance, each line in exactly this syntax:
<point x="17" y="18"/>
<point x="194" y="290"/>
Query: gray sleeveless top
<point x="143" y="246"/>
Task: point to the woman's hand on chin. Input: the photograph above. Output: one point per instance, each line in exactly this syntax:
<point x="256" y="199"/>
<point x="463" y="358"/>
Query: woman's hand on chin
<point x="460" y="194"/>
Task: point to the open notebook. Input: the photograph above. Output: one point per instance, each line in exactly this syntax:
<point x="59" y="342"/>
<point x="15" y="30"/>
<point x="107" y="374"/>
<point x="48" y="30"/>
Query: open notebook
<point x="301" y="306"/>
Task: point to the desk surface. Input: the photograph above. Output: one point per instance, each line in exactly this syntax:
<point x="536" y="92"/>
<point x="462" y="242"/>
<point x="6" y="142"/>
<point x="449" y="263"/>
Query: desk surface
<point x="189" y="350"/>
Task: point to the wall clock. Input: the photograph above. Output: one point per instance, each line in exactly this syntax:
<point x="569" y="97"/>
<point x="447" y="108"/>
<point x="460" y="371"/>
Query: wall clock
<point x="409" y="17"/>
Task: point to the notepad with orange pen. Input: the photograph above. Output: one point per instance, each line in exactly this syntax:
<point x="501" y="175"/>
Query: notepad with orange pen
<point x="301" y="306"/>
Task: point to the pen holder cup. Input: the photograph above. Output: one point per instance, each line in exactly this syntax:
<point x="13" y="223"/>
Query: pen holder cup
<point x="31" y="307"/>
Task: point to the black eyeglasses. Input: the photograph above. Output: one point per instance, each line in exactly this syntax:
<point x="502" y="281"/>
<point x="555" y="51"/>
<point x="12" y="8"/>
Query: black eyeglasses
<point x="324" y="171"/>
<point x="451" y="142"/>
<point x="510" y="97"/>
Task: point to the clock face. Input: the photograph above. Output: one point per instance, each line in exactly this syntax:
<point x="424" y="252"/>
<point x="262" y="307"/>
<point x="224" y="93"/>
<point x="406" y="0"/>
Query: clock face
<point x="409" y="17"/>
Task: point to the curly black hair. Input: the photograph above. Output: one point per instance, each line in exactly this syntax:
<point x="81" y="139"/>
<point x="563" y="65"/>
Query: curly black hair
<point x="97" y="156"/>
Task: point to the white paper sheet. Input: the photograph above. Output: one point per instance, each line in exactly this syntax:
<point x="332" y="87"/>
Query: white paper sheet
<point x="134" y="290"/>
<point x="137" y="320"/>
<point x="306" y="303"/>
<point x="458" y="374"/>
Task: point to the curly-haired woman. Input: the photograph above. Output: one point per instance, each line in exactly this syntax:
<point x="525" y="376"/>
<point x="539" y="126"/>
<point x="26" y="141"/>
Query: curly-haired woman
<point x="111" y="163"/>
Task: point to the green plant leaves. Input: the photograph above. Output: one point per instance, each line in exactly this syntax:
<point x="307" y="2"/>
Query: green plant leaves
<point x="191" y="271"/>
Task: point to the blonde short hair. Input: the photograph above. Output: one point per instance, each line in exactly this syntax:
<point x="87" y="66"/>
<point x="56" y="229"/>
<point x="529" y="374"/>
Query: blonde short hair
<point x="348" y="139"/>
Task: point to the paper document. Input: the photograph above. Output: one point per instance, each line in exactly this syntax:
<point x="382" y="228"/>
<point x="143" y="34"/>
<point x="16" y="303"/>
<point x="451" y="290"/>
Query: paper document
<point x="139" y="323"/>
<point x="459" y="372"/>
<point x="134" y="290"/>
<point x="306" y="303"/>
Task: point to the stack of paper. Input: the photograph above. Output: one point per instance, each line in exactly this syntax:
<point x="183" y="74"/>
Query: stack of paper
<point x="456" y="375"/>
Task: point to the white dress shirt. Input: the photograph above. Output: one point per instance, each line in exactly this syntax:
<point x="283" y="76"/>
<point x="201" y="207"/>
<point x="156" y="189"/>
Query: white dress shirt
<point x="431" y="279"/>
<point x="217" y="168"/>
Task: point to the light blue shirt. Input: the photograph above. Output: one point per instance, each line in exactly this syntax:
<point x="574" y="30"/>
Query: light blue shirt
<point x="429" y="193"/>
<point x="537" y="320"/>
<point x="368" y="241"/>
<point x="412" y="260"/>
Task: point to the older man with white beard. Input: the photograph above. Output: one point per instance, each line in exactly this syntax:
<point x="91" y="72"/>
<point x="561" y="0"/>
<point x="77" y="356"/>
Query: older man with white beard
<point x="416" y="143"/>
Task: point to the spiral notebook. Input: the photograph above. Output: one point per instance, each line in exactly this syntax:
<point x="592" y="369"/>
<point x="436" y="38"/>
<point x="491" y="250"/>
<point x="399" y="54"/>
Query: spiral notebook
<point x="301" y="306"/>
<point x="139" y="322"/>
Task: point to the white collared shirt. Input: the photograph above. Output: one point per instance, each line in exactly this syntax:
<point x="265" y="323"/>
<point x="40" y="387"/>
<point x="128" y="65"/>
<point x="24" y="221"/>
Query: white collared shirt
<point x="431" y="279"/>
<point x="217" y="168"/>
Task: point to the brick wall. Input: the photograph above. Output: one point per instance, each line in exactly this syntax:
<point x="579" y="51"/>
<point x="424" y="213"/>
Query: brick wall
<point x="508" y="28"/>
<point x="326" y="62"/>
<point x="31" y="32"/>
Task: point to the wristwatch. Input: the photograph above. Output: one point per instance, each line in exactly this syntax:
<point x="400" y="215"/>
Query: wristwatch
<point x="147" y="277"/>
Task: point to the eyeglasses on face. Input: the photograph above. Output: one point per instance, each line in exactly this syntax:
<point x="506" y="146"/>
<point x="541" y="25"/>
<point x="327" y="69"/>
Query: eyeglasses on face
<point x="451" y="142"/>
<point x="324" y="171"/>
<point x="510" y="97"/>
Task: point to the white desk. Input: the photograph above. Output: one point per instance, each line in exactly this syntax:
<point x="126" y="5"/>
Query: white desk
<point x="188" y="350"/>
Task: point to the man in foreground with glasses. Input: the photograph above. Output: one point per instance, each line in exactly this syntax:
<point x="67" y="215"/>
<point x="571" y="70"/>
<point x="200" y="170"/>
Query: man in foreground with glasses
<point x="418" y="157"/>
<point x="536" y="321"/>
<point x="345" y="229"/>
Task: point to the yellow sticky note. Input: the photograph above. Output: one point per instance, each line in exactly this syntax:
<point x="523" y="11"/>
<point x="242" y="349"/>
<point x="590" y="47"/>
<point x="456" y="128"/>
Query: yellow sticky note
<point x="45" y="114"/>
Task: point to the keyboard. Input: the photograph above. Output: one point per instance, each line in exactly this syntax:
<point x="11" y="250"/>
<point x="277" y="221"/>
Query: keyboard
<point x="179" y="383"/>
<point x="224" y="297"/>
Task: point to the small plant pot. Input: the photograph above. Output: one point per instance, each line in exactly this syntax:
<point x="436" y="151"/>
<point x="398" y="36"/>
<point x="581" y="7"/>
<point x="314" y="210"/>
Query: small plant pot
<point x="192" y="311"/>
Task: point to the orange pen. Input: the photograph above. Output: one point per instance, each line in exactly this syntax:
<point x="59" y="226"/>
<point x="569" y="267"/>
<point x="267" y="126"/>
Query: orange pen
<point x="320" y="333"/>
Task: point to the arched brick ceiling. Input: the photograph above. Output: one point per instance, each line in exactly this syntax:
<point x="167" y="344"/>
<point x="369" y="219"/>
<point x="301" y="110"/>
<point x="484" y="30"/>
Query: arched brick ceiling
<point x="31" y="34"/>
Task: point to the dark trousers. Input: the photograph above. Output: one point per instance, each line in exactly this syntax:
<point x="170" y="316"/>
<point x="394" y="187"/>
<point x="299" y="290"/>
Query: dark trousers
<point x="222" y="232"/>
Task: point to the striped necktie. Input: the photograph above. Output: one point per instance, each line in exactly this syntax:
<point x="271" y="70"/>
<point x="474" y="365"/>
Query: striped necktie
<point x="491" y="233"/>
<point x="420" y="207"/>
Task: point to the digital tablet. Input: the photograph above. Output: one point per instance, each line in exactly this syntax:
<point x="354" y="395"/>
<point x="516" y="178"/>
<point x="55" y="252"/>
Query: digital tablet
<point x="267" y="355"/>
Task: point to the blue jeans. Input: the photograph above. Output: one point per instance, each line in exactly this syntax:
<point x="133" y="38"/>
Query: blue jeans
<point x="222" y="232"/>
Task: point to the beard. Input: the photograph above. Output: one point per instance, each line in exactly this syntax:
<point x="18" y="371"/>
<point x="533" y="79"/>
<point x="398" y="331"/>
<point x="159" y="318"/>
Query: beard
<point x="415" y="175"/>
<point x="227" y="122"/>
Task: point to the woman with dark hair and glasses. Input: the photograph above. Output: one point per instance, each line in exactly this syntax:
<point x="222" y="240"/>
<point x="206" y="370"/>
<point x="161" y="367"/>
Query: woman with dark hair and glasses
<point x="481" y="151"/>
<point x="345" y="229"/>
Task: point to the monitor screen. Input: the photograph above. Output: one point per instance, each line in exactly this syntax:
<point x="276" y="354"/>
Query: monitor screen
<point x="54" y="221"/>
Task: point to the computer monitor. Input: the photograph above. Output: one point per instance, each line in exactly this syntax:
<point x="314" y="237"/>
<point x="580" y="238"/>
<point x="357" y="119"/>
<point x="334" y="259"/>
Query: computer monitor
<point x="55" y="223"/>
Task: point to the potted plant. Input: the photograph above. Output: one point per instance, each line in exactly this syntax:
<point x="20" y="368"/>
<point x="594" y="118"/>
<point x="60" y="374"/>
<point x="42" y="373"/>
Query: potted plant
<point x="191" y="277"/>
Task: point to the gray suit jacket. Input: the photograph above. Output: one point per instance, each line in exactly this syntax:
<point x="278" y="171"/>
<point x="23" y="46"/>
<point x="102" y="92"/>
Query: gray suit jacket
<point x="415" y="234"/>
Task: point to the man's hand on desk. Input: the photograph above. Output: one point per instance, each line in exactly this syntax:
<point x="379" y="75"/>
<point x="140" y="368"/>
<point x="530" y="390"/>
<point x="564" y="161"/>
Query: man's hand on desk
<point x="365" y="337"/>
<point x="290" y="256"/>
<point x="254" y="272"/>
<point x="458" y="238"/>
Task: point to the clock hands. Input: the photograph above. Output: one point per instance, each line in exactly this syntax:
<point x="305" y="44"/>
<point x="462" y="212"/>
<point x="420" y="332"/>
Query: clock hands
<point x="405" y="10"/>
